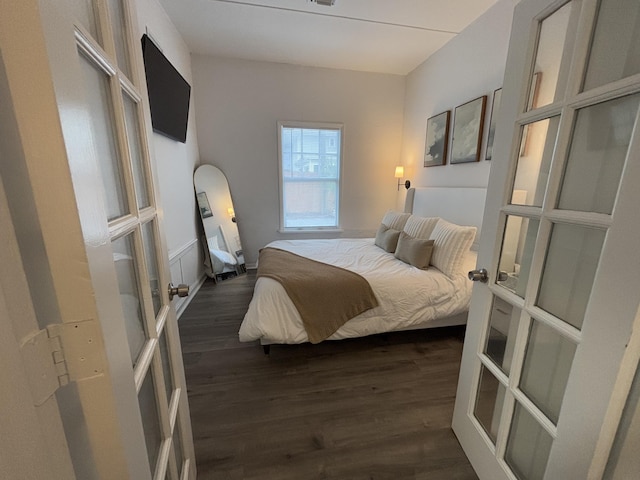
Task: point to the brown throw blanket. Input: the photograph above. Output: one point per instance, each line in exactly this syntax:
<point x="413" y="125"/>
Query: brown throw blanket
<point x="326" y="296"/>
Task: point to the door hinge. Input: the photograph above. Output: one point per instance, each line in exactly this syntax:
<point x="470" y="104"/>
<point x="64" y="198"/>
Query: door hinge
<point x="62" y="353"/>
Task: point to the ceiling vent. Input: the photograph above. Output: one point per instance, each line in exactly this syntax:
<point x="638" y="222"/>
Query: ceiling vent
<point x="326" y="3"/>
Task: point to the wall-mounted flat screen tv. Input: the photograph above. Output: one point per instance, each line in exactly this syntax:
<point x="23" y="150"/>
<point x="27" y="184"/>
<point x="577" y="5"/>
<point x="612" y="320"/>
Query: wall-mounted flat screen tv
<point x="168" y="91"/>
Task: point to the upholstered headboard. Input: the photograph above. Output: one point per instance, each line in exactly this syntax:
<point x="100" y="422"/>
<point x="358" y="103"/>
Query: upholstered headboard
<point x="459" y="205"/>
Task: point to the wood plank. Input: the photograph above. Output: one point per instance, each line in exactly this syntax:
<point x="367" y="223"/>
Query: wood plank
<point x="378" y="407"/>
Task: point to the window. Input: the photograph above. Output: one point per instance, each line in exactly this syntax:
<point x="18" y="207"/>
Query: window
<point x="310" y="163"/>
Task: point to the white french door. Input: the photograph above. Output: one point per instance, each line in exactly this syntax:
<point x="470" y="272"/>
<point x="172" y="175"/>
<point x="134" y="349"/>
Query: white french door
<point x="547" y="332"/>
<point x="127" y="416"/>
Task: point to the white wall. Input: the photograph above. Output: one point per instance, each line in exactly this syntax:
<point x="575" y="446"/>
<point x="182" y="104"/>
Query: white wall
<point x="470" y="65"/>
<point x="238" y="105"/>
<point x="175" y="161"/>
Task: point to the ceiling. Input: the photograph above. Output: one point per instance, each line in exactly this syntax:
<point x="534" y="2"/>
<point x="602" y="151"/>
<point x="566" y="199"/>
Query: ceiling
<point x="386" y="36"/>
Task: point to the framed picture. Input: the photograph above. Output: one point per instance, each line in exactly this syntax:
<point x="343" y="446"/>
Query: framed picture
<point x="467" y="131"/>
<point x="435" y="149"/>
<point x="203" y="204"/>
<point x="495" y="106"/>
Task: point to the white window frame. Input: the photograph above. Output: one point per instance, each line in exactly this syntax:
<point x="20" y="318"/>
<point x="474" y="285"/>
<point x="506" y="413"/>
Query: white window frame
<point x="314" y="126"/>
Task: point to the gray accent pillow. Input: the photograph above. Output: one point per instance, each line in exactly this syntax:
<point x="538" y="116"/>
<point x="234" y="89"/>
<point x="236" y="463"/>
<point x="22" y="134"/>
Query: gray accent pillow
<point x="414" y="251"/>
<point x="387" y="238"/>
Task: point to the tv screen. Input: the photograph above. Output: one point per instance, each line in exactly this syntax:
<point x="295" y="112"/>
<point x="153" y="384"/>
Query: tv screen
<point x="168" y="93"/>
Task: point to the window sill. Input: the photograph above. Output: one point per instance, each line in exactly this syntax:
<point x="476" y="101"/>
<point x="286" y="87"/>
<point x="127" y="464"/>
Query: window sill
<point x="310" y="230"/>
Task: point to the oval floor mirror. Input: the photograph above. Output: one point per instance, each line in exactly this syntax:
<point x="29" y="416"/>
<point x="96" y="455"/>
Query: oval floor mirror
<point x="223" y="252"/>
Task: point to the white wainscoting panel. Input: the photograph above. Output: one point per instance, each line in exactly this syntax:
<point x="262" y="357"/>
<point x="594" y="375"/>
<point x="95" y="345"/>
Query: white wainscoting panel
<point x="186" y="267"/>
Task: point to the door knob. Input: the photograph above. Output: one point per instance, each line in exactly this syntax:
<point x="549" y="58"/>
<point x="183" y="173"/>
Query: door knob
<point x="479" y="275"/>
<point x="181" y="290"/>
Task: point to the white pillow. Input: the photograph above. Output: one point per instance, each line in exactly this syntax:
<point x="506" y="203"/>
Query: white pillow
<point x="451" y="243"/>
<point x="420" y="227"/>
<point x="395" y="220"/>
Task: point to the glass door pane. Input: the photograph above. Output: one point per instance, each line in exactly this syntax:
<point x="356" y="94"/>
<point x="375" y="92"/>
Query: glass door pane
<point x="85" y="13"/>
<point x="517" y="252"/>
<point x="503" y="326"/>
<point x="177" y="445"/>
<point x="490" y="399"/>
<point x="100" y="104"/>
<point x="166" y="366"/>
<point x="120" y="36"/>
<point x="150" y="419"/>
<point x="597" y="155"/>
<point x="569" y="270"/>
<point x="537" y="143"/>
<point x="546" y="368"/>
<point x="616" y="56"/>
<point x="149" y="242"/>
<point x="528" y="446"/>
<point x="135" y="150"/>
<point x="546" y="84"/>
<point x="124" y="260"/>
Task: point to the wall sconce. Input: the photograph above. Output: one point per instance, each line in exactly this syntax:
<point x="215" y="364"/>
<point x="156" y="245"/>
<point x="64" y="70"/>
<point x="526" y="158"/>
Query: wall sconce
<point x="232" y="214"/>
<point x="400" y="174"/>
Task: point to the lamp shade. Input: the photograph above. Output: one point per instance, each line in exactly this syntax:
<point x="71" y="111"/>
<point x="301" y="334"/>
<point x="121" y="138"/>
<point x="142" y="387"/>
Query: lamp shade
<point x="399" y="172"/>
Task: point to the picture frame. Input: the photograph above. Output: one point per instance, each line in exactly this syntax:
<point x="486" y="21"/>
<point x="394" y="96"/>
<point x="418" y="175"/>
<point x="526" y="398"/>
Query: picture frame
<point x="468" y="123"/>
<point x="437" y="140"/>
<point x="495" y="106"/>
<point x="203" y="205"/>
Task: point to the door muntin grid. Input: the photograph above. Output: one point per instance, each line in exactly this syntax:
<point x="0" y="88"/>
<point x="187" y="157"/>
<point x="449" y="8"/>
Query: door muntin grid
<point x="524" y="408"/>
<point x="133" y="221"/>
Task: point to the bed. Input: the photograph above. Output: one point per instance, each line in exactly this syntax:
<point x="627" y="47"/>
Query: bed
<point x="409" y="295"/>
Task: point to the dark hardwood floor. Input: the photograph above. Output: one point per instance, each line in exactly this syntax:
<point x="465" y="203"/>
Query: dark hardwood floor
<point x="372" y="408"/>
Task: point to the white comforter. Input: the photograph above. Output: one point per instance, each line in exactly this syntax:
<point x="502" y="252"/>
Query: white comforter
<point x="407" y="296"/>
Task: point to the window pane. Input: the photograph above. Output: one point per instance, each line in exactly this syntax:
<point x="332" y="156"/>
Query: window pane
<point x="150" y="419"/>
<point x="310" y="153"/>
<point x="569" y="270"/>
<point x="489" y="402"/>
<point x="534" y="161"/>
<point x="597" y="155"/>
<point x="135" y="150"/>
<point x="528" y="446"/>
<point x="123" y="258"/>
<point x="103" y="137"/>
<point x="547" y="80"/>
<point x="149" y="241"/>
<point x="546" y="368"/>
<point x="503" y="326"/>
<point x="310" y="166"/>
<point x="311" y="204"/>
<point x="615" y="51"/>
<point x="516" y="254"/>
